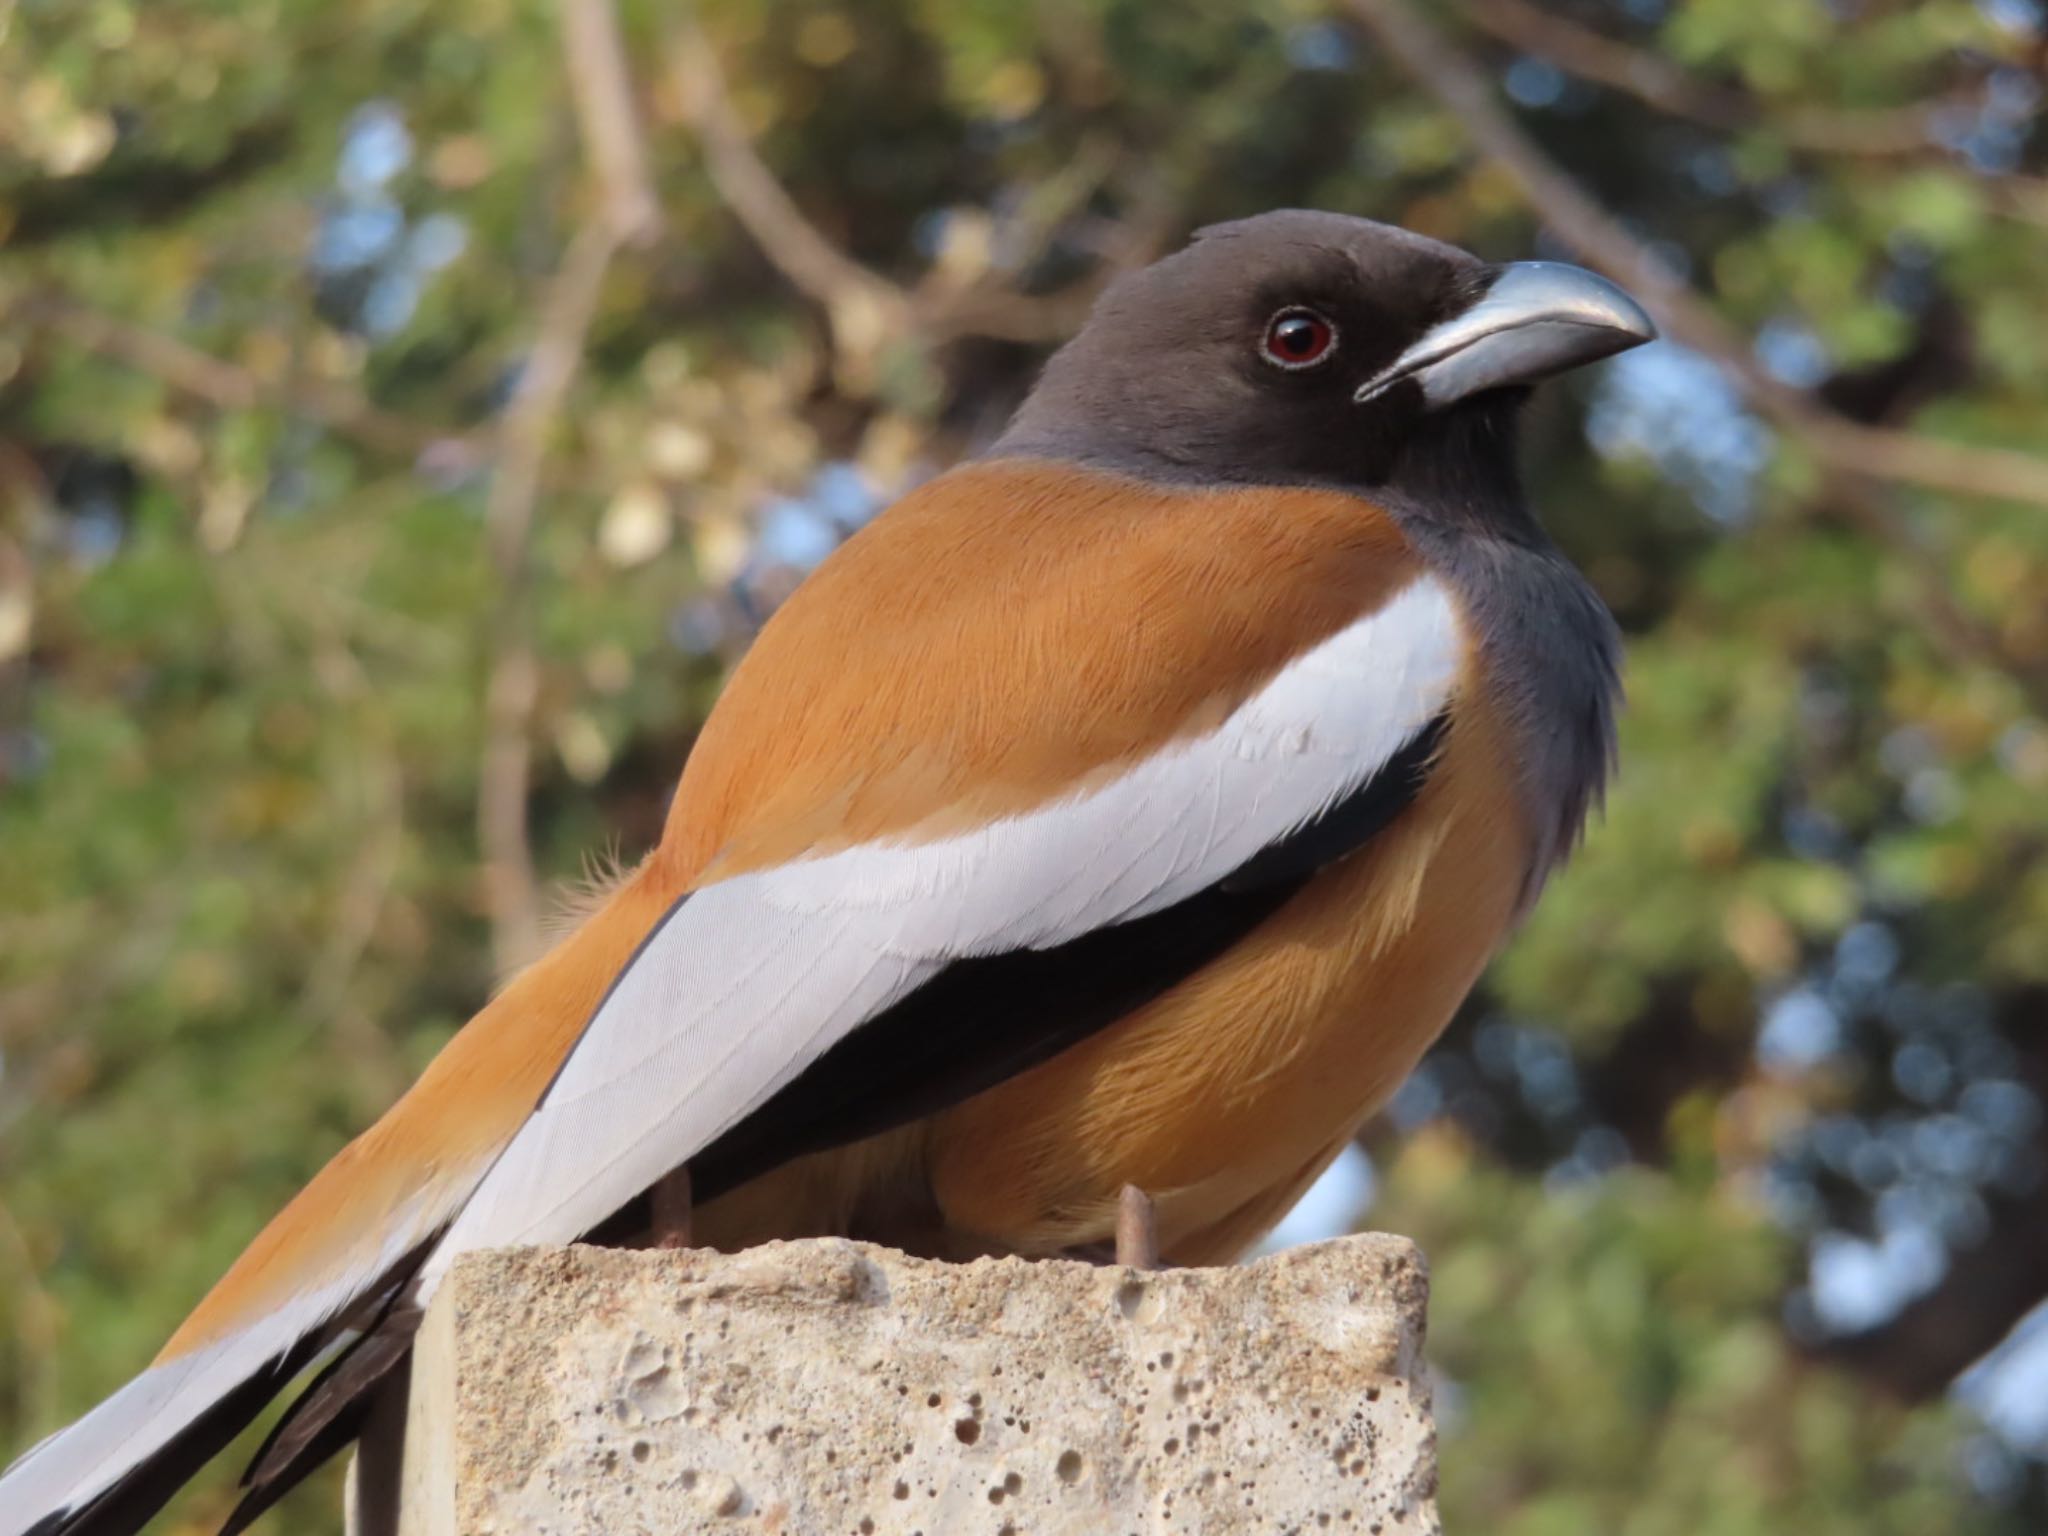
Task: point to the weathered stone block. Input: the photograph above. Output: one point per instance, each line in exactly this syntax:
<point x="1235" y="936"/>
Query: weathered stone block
<point x="821" y="1388"/>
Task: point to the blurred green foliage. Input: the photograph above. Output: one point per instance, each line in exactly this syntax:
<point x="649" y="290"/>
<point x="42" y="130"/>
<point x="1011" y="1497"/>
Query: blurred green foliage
<point x="268" y="275"/>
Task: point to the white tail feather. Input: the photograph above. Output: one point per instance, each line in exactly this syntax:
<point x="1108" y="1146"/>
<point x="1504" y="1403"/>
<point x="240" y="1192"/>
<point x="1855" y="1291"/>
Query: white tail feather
<point x="77" y="1464"/>
<point x="68" y="1470"/>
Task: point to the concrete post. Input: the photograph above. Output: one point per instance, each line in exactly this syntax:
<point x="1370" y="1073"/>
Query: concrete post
<point x="828" y="1387"/>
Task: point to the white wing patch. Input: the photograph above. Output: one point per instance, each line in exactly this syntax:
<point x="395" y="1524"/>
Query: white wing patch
<point x="750" y="980"/>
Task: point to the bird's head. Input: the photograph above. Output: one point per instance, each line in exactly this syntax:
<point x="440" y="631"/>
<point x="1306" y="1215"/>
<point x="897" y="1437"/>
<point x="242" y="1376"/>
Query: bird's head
<point x="1300" y="346"/>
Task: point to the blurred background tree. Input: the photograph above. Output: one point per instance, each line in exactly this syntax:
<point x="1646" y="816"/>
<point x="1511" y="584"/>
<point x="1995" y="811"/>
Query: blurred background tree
<point x="407" y="412"/>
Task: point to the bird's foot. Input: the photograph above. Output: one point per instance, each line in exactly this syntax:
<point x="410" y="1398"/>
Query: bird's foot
<point x="1137" y="1229"/>
<point x="671" y="1200"/>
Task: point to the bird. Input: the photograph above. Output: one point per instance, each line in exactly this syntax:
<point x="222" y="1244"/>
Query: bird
<point x="1125" y="809"/>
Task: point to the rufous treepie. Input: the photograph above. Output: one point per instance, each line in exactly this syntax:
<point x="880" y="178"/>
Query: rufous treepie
<point x="1130" y="806"/>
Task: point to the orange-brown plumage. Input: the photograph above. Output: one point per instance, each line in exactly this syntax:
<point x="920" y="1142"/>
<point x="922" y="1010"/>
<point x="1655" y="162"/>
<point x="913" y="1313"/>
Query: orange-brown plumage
<point x="1082" y="620"/>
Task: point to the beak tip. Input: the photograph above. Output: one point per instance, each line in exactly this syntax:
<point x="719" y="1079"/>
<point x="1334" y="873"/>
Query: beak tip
<point x="1635" y="323"/>
<point x="1558" y="290"/>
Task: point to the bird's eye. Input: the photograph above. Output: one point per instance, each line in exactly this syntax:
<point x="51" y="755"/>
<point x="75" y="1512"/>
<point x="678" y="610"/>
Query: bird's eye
<point x="1298" y="338"/>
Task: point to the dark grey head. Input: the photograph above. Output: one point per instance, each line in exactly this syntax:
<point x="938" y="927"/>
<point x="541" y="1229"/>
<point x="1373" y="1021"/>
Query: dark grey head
<point x="1299" y="346"/>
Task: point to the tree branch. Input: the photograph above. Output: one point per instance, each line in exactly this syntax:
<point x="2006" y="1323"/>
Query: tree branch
<point x="511" y="893"/>
<point x="865" y="307"/>
<point x="868" y="310"/>
<point x="603" y="91"/>
<point x="613" y="151"/>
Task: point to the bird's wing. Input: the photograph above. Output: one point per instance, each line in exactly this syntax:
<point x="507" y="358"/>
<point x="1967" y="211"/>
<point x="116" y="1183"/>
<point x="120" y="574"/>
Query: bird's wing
<point x="752" y="978"/>
<point x="773" y="959"/>
<point x="1027" y="707"/>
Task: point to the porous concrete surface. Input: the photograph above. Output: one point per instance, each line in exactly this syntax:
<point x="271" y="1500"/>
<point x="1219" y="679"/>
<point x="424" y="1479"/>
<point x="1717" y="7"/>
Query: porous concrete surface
<point x="831" y="1388"/>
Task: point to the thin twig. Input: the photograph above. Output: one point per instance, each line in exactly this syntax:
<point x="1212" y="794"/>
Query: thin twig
<point x="596" y="60"/>
<point x="612" y="147"/>
<point x="221" y="383"/>
<point x="1906" y="133"/>
<point x="226" y="385"/>
<point x="1934" y="463"/>
<point x="511" y="894"/>
<point x="35" y="1393"/>
<point x="1650" y="78"/>
<point x="848" y="291"/>
<point x="868" y="310"/>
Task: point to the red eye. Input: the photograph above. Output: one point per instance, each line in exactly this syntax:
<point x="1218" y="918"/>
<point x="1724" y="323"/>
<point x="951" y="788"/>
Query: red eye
<point x="1299" y="338"/>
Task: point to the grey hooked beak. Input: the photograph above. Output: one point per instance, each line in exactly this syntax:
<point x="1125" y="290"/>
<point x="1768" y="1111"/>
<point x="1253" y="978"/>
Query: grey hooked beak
<point x="1538" y="318"/>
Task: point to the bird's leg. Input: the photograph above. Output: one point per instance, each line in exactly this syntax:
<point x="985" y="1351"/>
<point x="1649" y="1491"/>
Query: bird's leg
<point x="1137" y="1229"/>
<point x="670" y="1198"/>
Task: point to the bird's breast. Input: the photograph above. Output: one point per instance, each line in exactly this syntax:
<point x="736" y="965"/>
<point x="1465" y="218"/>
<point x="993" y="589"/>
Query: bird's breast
<point x="1226" y="1095"/>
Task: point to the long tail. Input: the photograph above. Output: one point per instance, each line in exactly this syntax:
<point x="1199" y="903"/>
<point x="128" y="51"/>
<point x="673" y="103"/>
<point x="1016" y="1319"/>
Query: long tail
<point x="347" y="1239"/>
